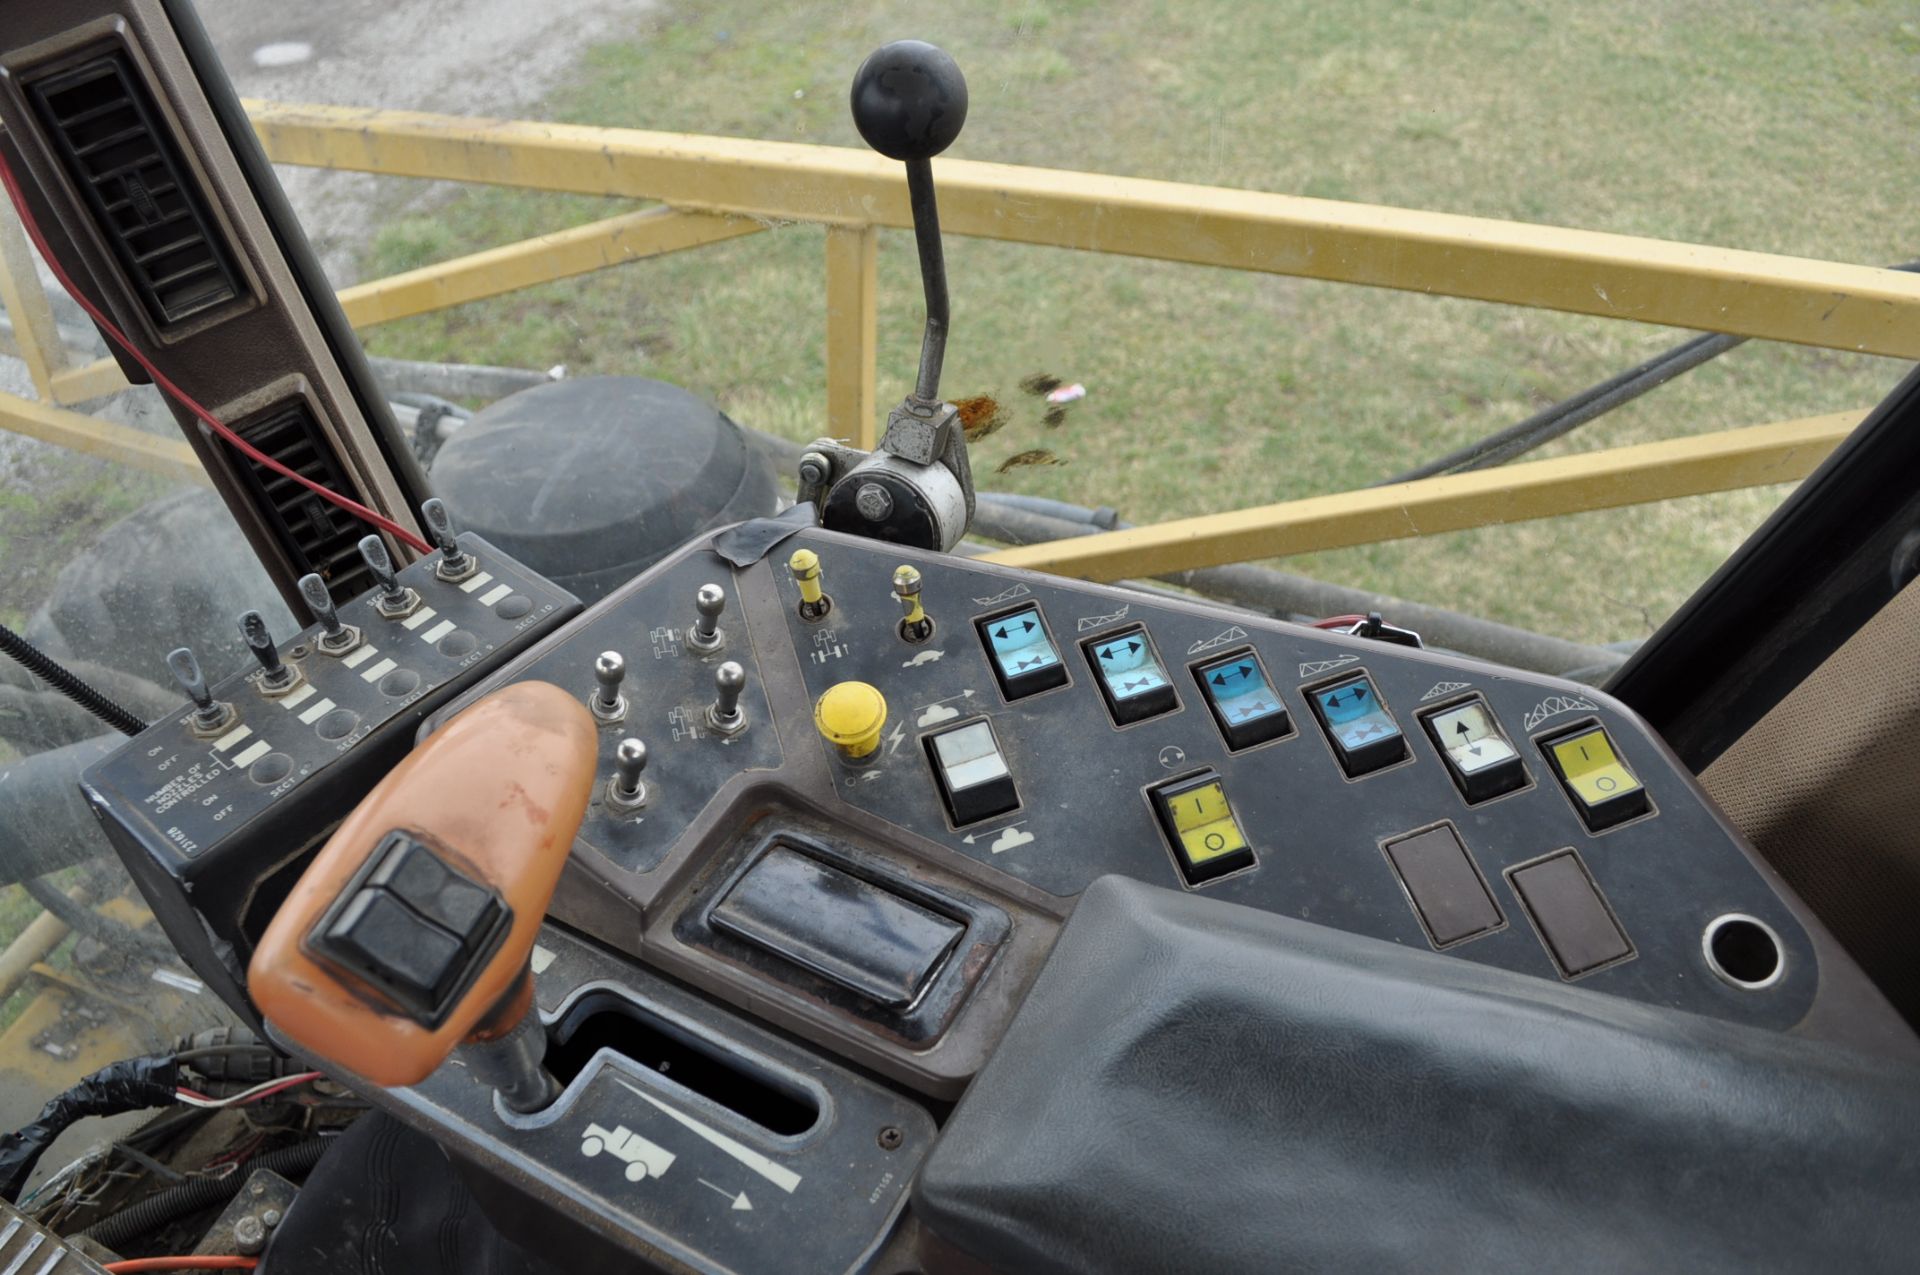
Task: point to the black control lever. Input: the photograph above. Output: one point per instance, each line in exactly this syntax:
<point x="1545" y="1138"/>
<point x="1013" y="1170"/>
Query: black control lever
<point x="909" y="103"/>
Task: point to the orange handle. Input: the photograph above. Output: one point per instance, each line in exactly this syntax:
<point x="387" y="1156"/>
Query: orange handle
<point x="498" y="795"/>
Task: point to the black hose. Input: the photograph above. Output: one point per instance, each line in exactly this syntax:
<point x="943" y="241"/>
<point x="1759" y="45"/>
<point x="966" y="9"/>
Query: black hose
<point x="1595" y="401"/>
<point x="78" y="917"/>
<point x="47" y="670"/>
<point x="177" y="1202"/>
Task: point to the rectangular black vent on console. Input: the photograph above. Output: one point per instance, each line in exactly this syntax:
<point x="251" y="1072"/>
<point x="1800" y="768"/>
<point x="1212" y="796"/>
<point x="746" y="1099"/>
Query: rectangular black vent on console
<point x="102" y="124"/>
<point x="316" y="535"/>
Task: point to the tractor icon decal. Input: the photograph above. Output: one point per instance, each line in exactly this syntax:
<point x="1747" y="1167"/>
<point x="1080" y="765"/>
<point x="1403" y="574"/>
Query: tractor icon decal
<point x="643" y="1158"/>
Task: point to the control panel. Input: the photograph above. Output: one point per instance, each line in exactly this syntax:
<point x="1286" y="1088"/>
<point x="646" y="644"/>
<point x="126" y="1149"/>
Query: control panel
<point x="873" y="781"/>
<point x="216" y="809"/>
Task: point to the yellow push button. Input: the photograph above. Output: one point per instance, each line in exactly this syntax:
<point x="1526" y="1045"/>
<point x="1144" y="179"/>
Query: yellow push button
<point x="851" y="716"/>
<point x="1199" y="822"/>
<point x="1601" y="786"/>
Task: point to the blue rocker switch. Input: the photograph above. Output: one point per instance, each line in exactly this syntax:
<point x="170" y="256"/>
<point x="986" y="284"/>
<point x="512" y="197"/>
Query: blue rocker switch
<point x="1025" y="660"/>
<point x="1131" y="678"/>
<point x="1245" y="705"/>
<point x="1363" y="733"/>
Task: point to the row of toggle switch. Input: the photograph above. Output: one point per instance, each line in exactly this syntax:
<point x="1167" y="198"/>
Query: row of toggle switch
<point x="278" y="679"/>
<point x="626" y="790"/>
<point x="1358" y="725"/>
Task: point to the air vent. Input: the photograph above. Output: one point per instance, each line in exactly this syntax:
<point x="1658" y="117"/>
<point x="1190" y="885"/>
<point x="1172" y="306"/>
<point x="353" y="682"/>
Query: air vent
<point x="316" y="535"/>
<point x="103" y="126"/>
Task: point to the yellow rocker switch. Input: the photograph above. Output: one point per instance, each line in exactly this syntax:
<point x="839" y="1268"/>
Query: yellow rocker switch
<point x="1199" y="823"/>
<point x="1603" y="789"/>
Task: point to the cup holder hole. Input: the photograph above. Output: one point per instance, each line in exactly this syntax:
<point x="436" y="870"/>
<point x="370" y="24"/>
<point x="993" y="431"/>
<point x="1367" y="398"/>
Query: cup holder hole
<point x="1743" y="951"/>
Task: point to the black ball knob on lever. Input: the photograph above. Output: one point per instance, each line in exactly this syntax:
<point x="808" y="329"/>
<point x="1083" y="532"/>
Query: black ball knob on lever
<point x="909" y="100"/>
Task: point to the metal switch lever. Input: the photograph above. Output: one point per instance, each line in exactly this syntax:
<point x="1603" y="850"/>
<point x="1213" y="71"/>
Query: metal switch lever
<point x="915" y="624"/>
<point x="725" y="714"/>
<point x="455" y="562"/>
<point x="336" y="638"/>
<point x="211" y="716"/>
<point x="627" y="790"/>
<point x="275" y="675"/>
<point x="705" y="635"/>
<point x="396" y="600"/>
<point x="610" y="670"/>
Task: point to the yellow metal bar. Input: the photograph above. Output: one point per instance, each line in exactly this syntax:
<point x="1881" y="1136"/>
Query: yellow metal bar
<point x="1641" y="474"/>
<point x="168" y="456"/>
<point x="34" y="331"/>
<point x="88" y="381"/>
<point x="542" y="259"/>
<point x="1583" y="272"/>
<point x="852" y="333"/>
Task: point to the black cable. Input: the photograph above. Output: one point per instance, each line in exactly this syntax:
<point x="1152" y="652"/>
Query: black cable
<point x="78" y="917"/>
<point x="1576" y="410"/>
<point x="43" y="666"/>
<point x="132" y="1084"/>
<point x="201" y="1193"/>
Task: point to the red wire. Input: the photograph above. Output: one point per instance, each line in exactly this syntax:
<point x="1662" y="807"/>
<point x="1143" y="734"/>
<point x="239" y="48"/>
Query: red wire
<point x="1338" y="621"/>
<point x="179" y="395"/>
<point x="211" y="1263"/>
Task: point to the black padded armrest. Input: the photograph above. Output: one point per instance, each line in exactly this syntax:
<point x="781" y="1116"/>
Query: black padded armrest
<point x="1197" y="1086"/>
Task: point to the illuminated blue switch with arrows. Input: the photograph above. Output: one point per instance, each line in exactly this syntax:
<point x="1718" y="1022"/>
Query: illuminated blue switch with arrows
<point x="1024" y="658"/>
<point x="1245" y="705"/>
<point x="1131" y="677"/>
<point x="1364" y="735"/>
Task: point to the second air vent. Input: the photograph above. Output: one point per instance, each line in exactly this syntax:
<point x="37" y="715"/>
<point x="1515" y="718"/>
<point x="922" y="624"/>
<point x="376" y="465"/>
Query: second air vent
<point x="316" y="535"/>
<point x="103" y="126"/>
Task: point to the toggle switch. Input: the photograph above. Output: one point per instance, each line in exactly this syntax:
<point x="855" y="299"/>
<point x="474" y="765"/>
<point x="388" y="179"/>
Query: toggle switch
<point x="814" y="603"/>
<point x="1245" y="706"/>
<point x="277" y="677"/>
<point x="850" y="716"/>
<point x="626" y="790"/>
<point x="1200" y="825"/>
<point x="210" y="716"/>
<point x="1025" y="660"/>
<point x="395" y="601"/>
<point x="916" y="625"/>
<point x="1482" y="760"/>
<point x="1363" y="733"/>
<point x="974" y="780"/>
<point x="609" y="670"/>
<point x="335" y="637"/>
<point x="1603" y="789"/>
<point x="1132" y="679"/>
<point x="455" y="563"/>
<point x="725" y="715"/>
<point x="705" y="636"/>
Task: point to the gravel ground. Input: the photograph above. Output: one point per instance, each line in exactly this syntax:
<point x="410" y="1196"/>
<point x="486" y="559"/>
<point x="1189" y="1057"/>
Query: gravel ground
<point x="460" y="57"/>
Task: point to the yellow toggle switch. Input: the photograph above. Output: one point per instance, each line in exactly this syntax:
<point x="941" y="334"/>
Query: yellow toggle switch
<point x="850" y="716"/>
<point x="917" y="626"/>
<point x="805" y="565"/>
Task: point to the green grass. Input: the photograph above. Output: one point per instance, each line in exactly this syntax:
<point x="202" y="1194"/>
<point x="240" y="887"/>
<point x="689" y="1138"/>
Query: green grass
<point x="1772" y="125"/>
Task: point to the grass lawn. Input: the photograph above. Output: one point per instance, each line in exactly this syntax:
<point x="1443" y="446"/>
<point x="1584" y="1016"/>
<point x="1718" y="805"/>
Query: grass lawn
<point x="1770" y="125"/>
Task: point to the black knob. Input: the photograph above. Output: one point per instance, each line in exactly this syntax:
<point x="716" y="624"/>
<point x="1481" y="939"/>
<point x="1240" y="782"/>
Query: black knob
<point x="909" y="100"/>
<point x="253" y="626"/>
<point x="313" y="591"/>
